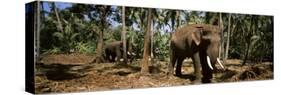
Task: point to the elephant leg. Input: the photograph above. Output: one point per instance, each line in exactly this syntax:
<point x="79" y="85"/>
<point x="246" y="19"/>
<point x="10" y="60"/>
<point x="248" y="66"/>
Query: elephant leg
<point x="179" y="65"/>
<point x="206" y="70"/>
<point x="207" y="73"/>
<point x="118" y="54"/>
<point x="196" y="64"/>
<point x="107" y="57"/>
<point x="112" y="59"/>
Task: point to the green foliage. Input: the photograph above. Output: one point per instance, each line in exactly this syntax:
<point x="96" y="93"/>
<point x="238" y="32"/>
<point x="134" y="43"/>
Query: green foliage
<point x="139" y="43"/>
<point x="78" y="34"/>
<point x="253" y="35"/>
<point x="161" y="45"/>
<point x="66" y="38"/>
<point x="54" y="50"/>
<point x="88" y="47"/>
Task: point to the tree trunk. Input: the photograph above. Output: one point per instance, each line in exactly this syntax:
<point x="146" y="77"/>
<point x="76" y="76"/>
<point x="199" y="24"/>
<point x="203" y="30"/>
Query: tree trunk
<point x="244" y="35"/>
<point x="37" y="32"/>
<point x="99" y="48"/>
<point x="145" y="64"/>
<point x="227" y="40"/>
<point x="221" y="54"/>
<point x="57" y="16"/>
<point x="233" y="28"/>
<point x="38" y="29"/>
<point x="219" y="20"/>
<point x="124" y="35"/>
<point x="99" y="51"/>
<point x="151" y="44"/>
<point x="248" y="42"/>
<point x="246" y="55"/>
<point x="178" y="18"/>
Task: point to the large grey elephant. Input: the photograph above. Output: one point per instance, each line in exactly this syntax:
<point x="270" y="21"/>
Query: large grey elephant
<point x="201" y="43"/>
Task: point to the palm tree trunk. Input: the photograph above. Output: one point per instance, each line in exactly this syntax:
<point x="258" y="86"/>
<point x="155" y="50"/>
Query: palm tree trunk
<point x="37" y="31"/>
<point x="124" y="35"/>
<point x="99" y="51"/>
<point x="246" y="55"/>
<point x="248" y="42"/>
<point x="57" y="16"/>
<point x="145" y="64"/>
<point x="227" y="40"/>
<point x="178" y="18"/>
<point x="221" y="54"/>
<point x="151" y="44"/>
<point x="99" y="48"/>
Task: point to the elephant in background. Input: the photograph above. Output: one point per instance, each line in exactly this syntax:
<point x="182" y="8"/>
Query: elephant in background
<point x="201" y="43"/>
<point x="114" y="50"/>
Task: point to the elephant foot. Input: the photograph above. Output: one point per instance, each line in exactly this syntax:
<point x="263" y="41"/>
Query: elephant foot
<point x="178" y="74"/>
<point x="205" y="80"/>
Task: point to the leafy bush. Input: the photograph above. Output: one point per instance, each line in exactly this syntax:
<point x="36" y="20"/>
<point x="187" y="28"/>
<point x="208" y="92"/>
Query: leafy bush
<point x="88" y="47"/>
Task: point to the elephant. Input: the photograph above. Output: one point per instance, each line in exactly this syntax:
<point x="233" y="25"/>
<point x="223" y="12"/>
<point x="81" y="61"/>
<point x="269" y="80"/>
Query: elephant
<point x="115" y="50"/>
<point x="201" y="43"/>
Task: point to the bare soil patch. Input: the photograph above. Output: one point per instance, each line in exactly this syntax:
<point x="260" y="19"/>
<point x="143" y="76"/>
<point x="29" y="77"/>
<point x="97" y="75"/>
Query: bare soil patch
<point x="68" y="76"/>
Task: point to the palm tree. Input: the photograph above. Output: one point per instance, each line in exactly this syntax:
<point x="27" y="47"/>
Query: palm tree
<point x="145" y="63"/>
<point x="247" y="39"/>
<point x="178" y="14"/>
<point x="37" y="33"/>
<point x="151" y="42"/>
<point x="124" y="35"/>
<point x="222" y="36"/>
<point x="104" y="12"/>
<point x="57" y="16"/>
<point x="156" y="15"/>
<point x="228" y="36"/>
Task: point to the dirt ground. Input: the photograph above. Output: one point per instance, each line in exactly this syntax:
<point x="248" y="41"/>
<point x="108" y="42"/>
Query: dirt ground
<point x="75" y="72"/>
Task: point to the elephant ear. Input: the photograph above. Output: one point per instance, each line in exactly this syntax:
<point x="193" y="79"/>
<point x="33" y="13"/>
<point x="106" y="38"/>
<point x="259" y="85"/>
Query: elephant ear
<point x="196" y="36"/>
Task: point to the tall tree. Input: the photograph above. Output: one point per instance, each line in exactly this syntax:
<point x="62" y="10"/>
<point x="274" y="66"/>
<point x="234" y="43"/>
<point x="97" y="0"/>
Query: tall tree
<point x="227" y="40"/>
<point x="178" y="15"/>
<point x="104" y="12"/>
<point x="155" y="19"/>
<point x="145" y="62"/>
<point x="37" y="32"/>
<point x="57" y="16"/>
<point x="151" y="43"/>
<point x="249" y="37"/>
<point x="124" y="35"/>
<point x="222" y="36"/>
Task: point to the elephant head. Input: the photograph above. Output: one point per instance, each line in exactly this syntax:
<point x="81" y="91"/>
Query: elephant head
<point x="208" y="38"/>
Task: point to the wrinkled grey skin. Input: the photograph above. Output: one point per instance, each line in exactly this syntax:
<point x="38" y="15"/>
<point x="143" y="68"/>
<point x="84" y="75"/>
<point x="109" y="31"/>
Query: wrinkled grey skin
<point x="195" y="41"/>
